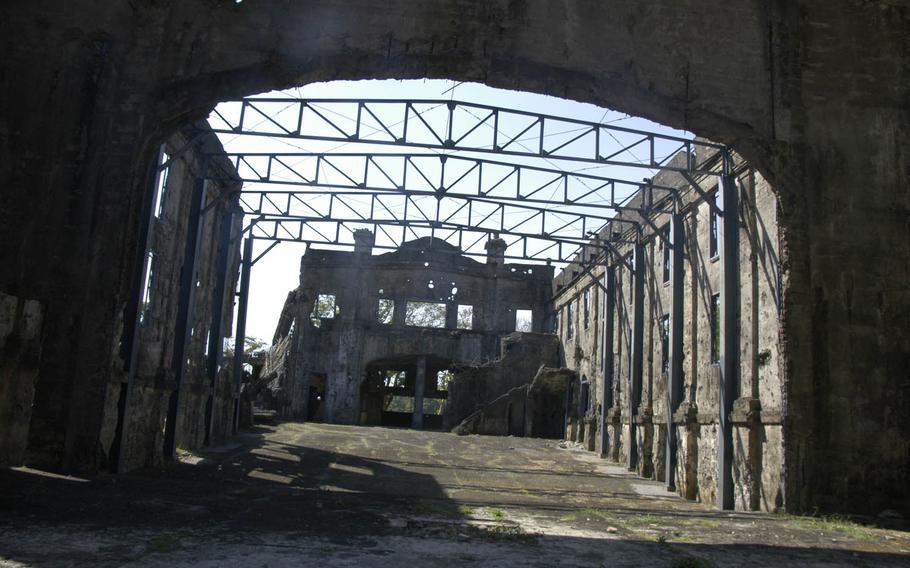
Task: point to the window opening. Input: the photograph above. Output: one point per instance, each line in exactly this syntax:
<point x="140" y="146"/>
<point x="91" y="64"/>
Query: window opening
<point x="584" y="397"/>
<point x="161" y="184"/>
<point x="570" y="322"/>
<point x="523" y="320"/>
<point x="586" y="303"/>
<point x="715" y="329"/>
<point x="146" y="312"/>
<point x="714" y="237"/>
<point x="324" y="308"/>
<point x="666" y="246"/>
<point x="425" y="314"/>
<point x="443" y="378"/>
<point x="665" y="343"/>
<point x="394" y="379"/>
<point x="385" y="311"/>
<point x="465" y="318"/>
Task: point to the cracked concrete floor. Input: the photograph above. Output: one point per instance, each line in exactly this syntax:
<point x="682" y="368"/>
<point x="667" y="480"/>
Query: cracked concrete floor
<point x="328" y="495"/>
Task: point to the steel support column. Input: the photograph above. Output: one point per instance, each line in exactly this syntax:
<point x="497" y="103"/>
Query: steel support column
<point x="609" y="315"/>
<point x="420" y="382"/>
<point x="638" y="344"/>
<point x="729" y="329"/>
<point x="216" y="330"/>
<point x="675" y="376"/>
<point x="185" y="310"/>
<point x="246" y="266"/>
<point x="129" y="344"/>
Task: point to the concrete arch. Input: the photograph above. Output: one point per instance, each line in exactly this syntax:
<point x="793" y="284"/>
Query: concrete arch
<point x="812" y="93"/>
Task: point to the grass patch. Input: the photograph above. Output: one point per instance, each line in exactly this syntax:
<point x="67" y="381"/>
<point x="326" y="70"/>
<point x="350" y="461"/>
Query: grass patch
<point x="497" y="514"/>
<point x="830" y="523"/>
<point x="162" y="544"/>
<point x="465" y="510"/>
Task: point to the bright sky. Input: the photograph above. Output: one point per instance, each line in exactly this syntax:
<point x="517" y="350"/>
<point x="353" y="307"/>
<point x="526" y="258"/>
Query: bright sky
<point x="277" y="273"/>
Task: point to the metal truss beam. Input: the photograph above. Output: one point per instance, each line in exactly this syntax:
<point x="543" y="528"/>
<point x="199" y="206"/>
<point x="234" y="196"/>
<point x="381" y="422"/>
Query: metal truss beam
<point x="435" y="174"/>
<point x="457" y="125"/>
<point x="478" y="214"/>
<point x="392" y="234"/>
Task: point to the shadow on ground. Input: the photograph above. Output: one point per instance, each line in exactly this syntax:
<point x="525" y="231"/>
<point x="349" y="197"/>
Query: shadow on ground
<point x="347" y="496"/>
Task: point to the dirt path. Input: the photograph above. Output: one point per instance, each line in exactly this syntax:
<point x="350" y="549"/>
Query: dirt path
<point x="324" y="495"/>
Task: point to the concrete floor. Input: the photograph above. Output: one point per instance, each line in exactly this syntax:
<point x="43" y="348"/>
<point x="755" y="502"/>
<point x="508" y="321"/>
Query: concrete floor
<point x="326" y="495"/>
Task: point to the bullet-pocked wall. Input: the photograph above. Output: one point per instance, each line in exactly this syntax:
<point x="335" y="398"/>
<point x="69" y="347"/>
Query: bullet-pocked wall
<point x="813" y="93"/>
<point x="358" y="314"/>
<point x="757" y="434"/>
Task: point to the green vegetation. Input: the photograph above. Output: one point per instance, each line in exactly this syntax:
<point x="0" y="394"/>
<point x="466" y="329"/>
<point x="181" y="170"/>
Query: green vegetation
<point x="497" y="514"/>
<point x="830" y="523"/>
<point x="162" y="544"/>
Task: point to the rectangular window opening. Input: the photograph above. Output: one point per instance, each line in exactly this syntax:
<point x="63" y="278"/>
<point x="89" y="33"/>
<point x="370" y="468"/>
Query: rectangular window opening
<point x="394" y="379"/>
<point x="425" y="314"/>
<point x="570" y="321"/>
<point x="443" y="378"/>
<point x="397" y="403"/>
<point x="665" y="343"/>
<point x="715" y="329"/>
<point x="161" y="184"/>
<point x="385" y="311"/>
<point x="324" y="308"/>
<point x="667" y="258"/>
<point x="586" y="305"/>
<point x="465" y="317"/>
<point x="524" y="320"/>
<point x="714" y="236"/>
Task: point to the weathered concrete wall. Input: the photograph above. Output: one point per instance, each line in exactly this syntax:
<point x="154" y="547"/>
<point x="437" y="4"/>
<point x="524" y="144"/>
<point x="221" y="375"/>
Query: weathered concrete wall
<point x="342" y="347"/>
<point x="812" y="92"/>
<point x="20" y="354"/>
<point x="758" y="462"/>
<point x="155" y="379"/>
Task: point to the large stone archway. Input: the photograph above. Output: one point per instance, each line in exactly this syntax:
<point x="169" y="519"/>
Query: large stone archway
<point x="813" y="94"/>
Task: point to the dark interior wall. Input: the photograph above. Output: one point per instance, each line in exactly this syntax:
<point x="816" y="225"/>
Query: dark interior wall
<point x="812" y="92"/>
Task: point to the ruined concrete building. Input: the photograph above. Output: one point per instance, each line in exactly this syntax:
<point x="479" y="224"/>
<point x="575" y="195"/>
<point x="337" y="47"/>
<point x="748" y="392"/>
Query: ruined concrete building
<point x="370" y="339"/>
<point x="805" y="398"/>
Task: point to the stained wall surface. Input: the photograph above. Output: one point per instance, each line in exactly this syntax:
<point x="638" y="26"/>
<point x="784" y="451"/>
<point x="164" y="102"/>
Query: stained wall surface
<point x="813" y="93"/>
<point x="758" y="464"/>
<point x="341" y="347"/>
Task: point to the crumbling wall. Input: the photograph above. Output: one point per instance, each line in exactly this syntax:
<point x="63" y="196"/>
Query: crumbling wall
<point x="813" y="92"/>
<point x="155" y="378"/>
<point x="20" y="354"/>
<point x="475" y="386"/>
<point x="342" y="346"/>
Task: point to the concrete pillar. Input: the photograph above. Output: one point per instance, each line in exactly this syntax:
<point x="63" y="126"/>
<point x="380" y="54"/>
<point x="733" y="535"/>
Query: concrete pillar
<point x="185" y="309"/>
<point x="675" y="378"/>
<point x="216" y="335"/>
<point x="638" y="344"/>
<point x="729" y="329"/>
<point x="363" y="242"/>
<point x="246" y="266"/>
<point x="608" y="305"/>
<point x="419" y="387"/>
<point x="496" y="250"/>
